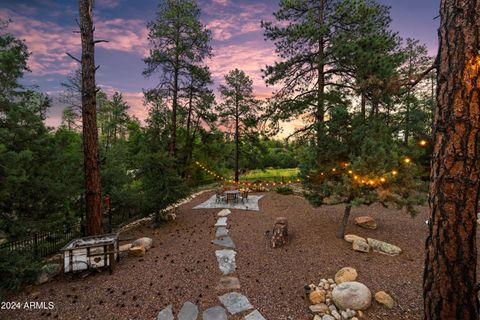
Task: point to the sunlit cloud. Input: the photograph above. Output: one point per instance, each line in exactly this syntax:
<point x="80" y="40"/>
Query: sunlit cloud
<point x="49" y="42"/>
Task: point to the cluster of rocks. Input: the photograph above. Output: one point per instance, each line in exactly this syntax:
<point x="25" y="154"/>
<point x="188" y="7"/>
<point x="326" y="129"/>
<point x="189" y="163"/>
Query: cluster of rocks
<point x="361" y="244"/>
<point x="137" y="248"/>
<point x="343" y="298"/>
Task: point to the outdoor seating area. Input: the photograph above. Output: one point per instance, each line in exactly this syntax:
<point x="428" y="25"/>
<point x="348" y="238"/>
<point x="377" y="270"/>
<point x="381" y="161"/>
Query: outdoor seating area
<point x="226" y="195"/>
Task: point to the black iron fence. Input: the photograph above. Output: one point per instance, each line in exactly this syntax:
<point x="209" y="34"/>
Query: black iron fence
<point x="41" y="244"/>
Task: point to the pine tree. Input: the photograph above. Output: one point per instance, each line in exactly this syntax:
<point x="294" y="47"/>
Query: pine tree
<point x="93" y="208"/>
<point x="178" y="40"/>
<point x="450" y="287"/>
<point x="239" y="108"/>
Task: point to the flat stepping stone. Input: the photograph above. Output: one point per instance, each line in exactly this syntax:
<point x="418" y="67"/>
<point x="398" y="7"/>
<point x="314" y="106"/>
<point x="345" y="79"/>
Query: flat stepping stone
<point x="228" y="283"/>
<point x="189" y="311"/>
<point x="255" y="315"/>
<point x="235" y="302"/>
<point x="166" y="314"/>
<point x="224" y="213"/>
<point x="221" y="222"/>
<point x="215" y="313"/>
<point x="225" y="242"/>
<point x="221" y="232"/>
<point x="226" y="260"/>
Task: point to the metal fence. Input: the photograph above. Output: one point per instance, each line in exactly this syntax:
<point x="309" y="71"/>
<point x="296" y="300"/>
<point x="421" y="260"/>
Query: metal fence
<point x="43" y="244"/>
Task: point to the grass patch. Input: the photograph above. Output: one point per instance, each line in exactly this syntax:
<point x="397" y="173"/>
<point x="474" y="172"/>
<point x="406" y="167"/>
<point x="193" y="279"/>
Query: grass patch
<point x="276" y="175"/>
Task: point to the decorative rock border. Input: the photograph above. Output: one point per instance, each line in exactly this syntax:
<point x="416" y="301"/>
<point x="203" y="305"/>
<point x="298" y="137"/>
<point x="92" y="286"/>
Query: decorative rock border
<point x="177" y="204"/>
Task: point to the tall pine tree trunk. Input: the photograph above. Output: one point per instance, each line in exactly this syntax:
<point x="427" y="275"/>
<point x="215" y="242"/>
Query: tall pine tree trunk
<point x="451" y="253"/>
<point x="320" y="112"/>
<point x="173" y="142"/>
<point x="237" y="140"/>
<point x="89" y="116"/>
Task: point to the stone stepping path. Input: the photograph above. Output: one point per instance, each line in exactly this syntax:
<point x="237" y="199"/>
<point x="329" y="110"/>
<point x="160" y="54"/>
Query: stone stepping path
<point x="189" y="311"/>
<point x="166" y="314"/>
<point x="233" y="301"/>
<point x="228" y="283"/>
<point x="221" y="232"/>
<point x="215" y="313"/>
<point x="221" y="222"/>
<point x="224" y="242"/>
<point x="255" y="315"/>
<point x="226" y="261"/>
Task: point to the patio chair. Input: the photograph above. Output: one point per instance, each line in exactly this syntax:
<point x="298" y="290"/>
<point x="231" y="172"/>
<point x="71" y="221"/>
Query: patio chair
<point x="220" y="196"/>
<point x="244" y="196"/>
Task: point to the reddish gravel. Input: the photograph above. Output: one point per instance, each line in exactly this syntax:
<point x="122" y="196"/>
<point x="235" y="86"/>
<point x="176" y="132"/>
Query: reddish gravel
<point x="182" y="265"/>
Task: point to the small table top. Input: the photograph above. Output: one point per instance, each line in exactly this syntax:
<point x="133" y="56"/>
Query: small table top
<point x="232" y="192"/>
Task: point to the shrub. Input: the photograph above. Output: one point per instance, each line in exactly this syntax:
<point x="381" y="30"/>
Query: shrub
<point x="285" y="190"/>
<point x="17" y="270"/>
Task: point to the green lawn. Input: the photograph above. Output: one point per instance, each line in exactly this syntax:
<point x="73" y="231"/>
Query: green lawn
<point x="271" y="175"/>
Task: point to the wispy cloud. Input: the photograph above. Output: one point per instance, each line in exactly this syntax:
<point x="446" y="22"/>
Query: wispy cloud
<point x="48" y="42"/>
<point x="228" y="19"/>
<point x="250" y="57"/>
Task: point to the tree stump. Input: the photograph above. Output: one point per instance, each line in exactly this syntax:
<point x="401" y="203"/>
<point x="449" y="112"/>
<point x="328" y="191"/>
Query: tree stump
<point x="280" y="232"/>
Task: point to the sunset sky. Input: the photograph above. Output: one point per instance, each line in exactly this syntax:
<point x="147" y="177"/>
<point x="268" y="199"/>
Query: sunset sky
<point x="48" y="25"/>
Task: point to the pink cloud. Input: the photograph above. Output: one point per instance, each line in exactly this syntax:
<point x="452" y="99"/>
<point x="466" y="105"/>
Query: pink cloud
<point x="48" y="42"/>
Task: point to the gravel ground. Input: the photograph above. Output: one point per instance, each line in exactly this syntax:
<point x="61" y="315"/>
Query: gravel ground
<point x="182" y="265"/>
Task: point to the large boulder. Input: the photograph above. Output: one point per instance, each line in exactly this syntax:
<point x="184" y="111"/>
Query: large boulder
<point x="345" y="275"/>
<point x="352" y="237"/>
<point x="384" y="298"/>
<point x="352" y="295"/>
<point x="383" y="247"/>
<point x="366" y="222"/>
<point x="143" y="242"/>
<point x="48" y="272"/>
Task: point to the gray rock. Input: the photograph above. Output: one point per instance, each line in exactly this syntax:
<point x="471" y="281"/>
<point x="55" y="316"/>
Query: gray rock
<point x="224" y="213"/>
<point x="328" y="317"/>
<point x="215" y="313"/>
<point x="383" y="247"/>
<point x="166" y="314"/>
<point x="336" y="315"/>
<point x="189" y="311"/>
<point x="226" y="260"/>
<point x="255" y="315"/>
<point x="224" y="242"/>
<point x="360" y="245"/>
<point x="345" y="314"/>
<point x="332" y="307"/>
<point x="48" y="272"/>
<point x="235" y="302"/>
<point x="221" y="222"/>
<point x="228" y="283"/>
<point x="352" y="295"/>
<point x="321" y="307"/>
<point x="221" y="232"/>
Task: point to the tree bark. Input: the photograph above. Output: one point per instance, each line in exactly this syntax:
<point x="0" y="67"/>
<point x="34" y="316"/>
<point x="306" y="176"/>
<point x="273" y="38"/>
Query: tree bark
<point x="343" y="225"/>
<point x="93" y="210"/>
<point x="449" y="282"/>
<point x="320" y="112"/>
<point x="237" y="139"/>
